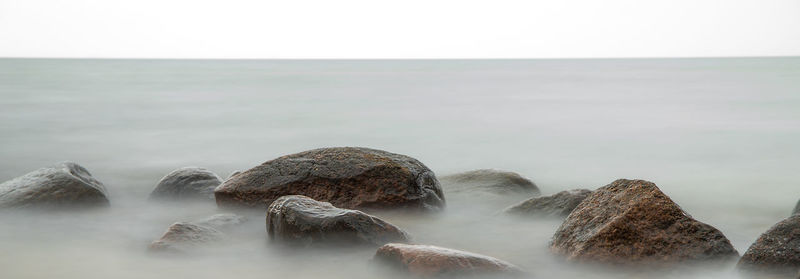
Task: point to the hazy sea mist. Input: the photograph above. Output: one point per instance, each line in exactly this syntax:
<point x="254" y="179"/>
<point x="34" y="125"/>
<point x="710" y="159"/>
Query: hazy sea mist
<point x="721" y="137"/>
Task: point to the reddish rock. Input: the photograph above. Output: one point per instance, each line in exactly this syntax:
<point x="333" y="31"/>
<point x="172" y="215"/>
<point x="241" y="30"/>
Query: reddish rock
<point x="432" y="261"/>
<point x="347" y="177"/>
<point x="776" y="251"/>
<point x="633" y="222"/>
<point x="300" y="220"/>
<point x="559" y="205"/>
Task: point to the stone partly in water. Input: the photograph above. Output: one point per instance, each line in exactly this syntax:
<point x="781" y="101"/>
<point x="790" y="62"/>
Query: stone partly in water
<point x="66" y="185"/>
<point x="633" y="222"/>
<point x="489" y="180"/>
<point x="775" y="251"/>
<point x="189" y="183"/>
<point x="347" y="177"/>
<point x="431" y="261"/>
<point x="559" y="205"/>
<point x="182" y="237"/>
<point x="301" y="221"/>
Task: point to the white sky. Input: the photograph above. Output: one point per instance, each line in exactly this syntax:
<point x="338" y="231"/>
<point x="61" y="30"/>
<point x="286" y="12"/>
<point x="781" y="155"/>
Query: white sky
<point x="398" y="29"/>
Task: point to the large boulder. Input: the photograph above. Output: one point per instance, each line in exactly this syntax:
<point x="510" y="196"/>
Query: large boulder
<point x="182" y="237"/>
<point x="633" y="222"/>
<point x="489" y="180"/>
<point x="302" y="221"/>
<point x="188" y="183"/>
<point x="431" y="261"/>
<point x="347" y="177"/>
<point x="66" y="185"/>
<point x="776" y="251"/>
<point x="560" y="204"/>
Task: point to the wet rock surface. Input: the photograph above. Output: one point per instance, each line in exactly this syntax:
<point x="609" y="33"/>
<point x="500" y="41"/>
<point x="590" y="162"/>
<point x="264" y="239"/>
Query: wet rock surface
<point x="560" y="204"/>
<point x="65" y="185"/>
<point x="776" y="251"/>
<point x="181" y="237"/>
<point x="188" y="183"/>
<point x="431" y="261"/>
<point x="633" y="222"/>
<point x="489" y="180"/>
<point x="347" y="177"/>
<point x="301" y="221"/>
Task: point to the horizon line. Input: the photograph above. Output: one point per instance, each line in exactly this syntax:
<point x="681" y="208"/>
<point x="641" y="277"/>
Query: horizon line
<point x="393" y="58"/>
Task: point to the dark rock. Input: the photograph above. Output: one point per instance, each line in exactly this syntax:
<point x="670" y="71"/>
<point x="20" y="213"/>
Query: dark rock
<point x="347" y="177"/>
<point x="432" y="261"/>
<point x="184" y="236"/>
<point x="633" y="222"/>
<point x="300" y="220"/>
<point x="189" y="183"/>
<point x="560" y="205"/>
<point x="775" y="251"/>
<point x="489" y="180"/>
<point x="66" y="185"/>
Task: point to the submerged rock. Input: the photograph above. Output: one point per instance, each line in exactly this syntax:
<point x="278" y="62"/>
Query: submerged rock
<point x="66" y="185"/>
<point x="561" y="204"/>
<point x="776" y="251"/>
<point x="300" y="220"/>
<point x="188" y="183"/>
<point x="490" y="180"/>
<point x="633" y="222"/>
<point x="184" y="236"/>
<point x="432" y="261"/>
<point x="347" y="177"/>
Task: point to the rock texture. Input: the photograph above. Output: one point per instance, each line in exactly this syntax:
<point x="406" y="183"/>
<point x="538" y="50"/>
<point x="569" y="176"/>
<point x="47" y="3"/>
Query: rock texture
<point x="559" y="205"/>
<point x="490" y="180"/>
<point x="432" y="261"/>
<point x="633" y="222"/>
<point x="300" y="220"/>
<point x="66" y="185"/>
<point x="775" y="251"/>
<point x="347" y="177"/>
<point x="189" y="183"/>
<point x="184" y="236"/>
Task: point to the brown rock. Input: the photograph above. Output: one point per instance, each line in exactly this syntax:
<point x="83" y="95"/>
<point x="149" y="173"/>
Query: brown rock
<point x="184" y="236"/>
<point x="633" y="222"/>
<point x="432" y="261"/>
<point x="66" y="185"/>
<point x="347" y="177"/>
<point x="559" y="205"/>
<point x="776" y="251"/>
<point x="489" y="180"/>
<point x="300" y="220"/>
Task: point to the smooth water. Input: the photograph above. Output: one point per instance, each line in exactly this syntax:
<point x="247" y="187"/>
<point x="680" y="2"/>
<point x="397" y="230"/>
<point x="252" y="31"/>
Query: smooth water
<point x="719" y="136"/>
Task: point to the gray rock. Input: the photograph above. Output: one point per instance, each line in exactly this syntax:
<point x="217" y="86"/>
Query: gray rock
<point x="489" y="180"/>
<point x="301" y="221"/>
<point x="182" y="237"/>
<point x="66" y="185"/>
<point x="559" y="205"/>
<point x="425" y="261"/>
<point x="347" y="177"/>
<point x="776" y="251"/>
<point x="189" y="183"/>
<point x="796" y="208"/>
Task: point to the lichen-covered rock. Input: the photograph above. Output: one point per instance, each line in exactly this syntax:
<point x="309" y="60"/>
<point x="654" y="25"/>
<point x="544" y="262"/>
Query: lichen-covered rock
<point x="184" y="236"/>
<point x="633" y="222"/>
<point x="489" y="180"/>
<point x="347" y="177"/>
<point x="188" y="183"/>
<point x="776" y="251"/>
<point x="431" y="261"/>
<point x="66" y="185"/>
<point x="560" y="204"/>
<point x="302" y="221"/>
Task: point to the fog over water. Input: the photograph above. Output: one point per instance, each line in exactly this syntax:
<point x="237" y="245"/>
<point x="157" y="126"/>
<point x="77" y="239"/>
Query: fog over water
<point x="721" y="137"/>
